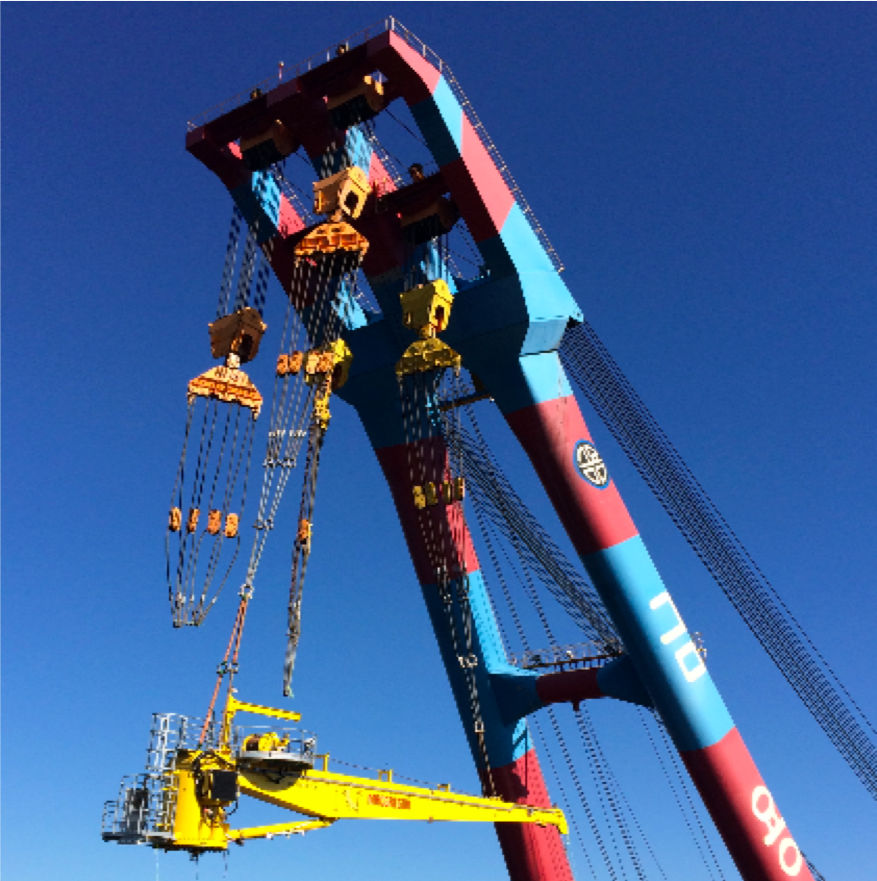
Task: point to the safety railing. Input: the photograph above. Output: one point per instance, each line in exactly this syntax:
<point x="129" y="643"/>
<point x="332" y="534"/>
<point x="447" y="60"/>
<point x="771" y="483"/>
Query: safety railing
<point x="266" y="742"/>
<point x="392" y="24"/>
<point x="580" y="655"/>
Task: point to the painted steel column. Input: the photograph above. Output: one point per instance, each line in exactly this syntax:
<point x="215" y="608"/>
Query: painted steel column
<point x="553" y="432"/>
<point x="531" y="853"/>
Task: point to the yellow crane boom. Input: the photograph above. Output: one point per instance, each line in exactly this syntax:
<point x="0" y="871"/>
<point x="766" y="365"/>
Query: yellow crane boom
<point x="186" y="806"/>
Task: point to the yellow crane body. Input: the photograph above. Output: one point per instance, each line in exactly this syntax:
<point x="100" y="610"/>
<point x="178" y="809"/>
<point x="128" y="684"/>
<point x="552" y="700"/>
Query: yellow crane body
<point x="185" y="806"/>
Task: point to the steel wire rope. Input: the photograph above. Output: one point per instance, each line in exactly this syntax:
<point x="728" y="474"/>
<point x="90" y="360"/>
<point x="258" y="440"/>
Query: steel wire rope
<point x="301" y="555"/>
<point x="285" y="434"/>
<point x="248" y="262"/>
<point x="566" y="801"/>
<point x="683" y="793"/>
<point x="213" y="558"/>
<point x="583" y="798"/>
<point x="458" y="541"/>
<point x="817" y="875"/>
<point x="294" y="193"/>
<point x="487" y="530"/>
<point x="634" y="819"/>
<point x="188" y="560"/>
<point x="765" y="613"/>
<point x="483" y="454"/>
<point x="231" y="482"/>
<point x="605" y="798"/>
<point x="327" y="321"/>
<point x="177" y="496"/>
<point x="231" y="654"/>
<point x="507" y="509"/>
<point x="247" y="589"/>
<point x="231" y="250"/>
<point x="418" y="391"/>
<point x="247" y="292"/>
<point x="605" y="775"/>
<point x="391" y="163"/>
<point x="599" y="763"/>
<point x="516" y="525"/>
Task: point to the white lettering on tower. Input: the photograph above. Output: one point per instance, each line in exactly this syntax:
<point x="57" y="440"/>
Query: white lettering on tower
<point x="764" y="809"/>
<point x="687" y="658"/>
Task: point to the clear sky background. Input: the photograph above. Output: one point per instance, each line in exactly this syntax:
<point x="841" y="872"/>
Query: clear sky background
<point x="708" y="174"/>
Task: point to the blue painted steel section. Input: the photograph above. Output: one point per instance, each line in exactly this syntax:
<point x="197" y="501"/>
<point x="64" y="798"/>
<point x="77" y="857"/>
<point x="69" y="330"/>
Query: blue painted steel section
<point x="386" y="288"/>
<point x="659" y="644"/>
<point x="259" y="202"/>
<point x="620" y="680"/>
<point x="485" y="624"/>
<point x="514" y="383"/>
<point x="372" y="388"/>
<point x="357" y="150"/>
<point x="348" y="308"/>
<point x="548" y="302"/>
<point x="542" y="378"/>
<point x="440" y="120"/>
<point x="507" y="738"/>
<point x="518" y="249"/>
<point x="428" y="264"/>
<point x="516" y="693"/>
<point x="491" y="317"/>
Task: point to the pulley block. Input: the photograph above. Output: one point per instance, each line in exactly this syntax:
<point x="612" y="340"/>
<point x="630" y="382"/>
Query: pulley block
<point x="239" y="333"/>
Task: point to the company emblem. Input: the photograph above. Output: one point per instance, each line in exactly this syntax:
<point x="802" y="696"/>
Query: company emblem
<point x="590" y="465"/>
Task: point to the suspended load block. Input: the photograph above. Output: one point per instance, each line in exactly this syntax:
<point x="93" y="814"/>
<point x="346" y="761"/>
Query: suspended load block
<point x="239" y="333"/>
<point x="342" y="193"/>
<point x="334" y="358"/>
<point x="427" y="308"/>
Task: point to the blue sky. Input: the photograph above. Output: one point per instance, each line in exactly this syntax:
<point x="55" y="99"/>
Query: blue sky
<point x="708" y="174"/>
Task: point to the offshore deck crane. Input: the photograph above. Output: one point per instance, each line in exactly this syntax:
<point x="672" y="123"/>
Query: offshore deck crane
<point x="182" y="801"/>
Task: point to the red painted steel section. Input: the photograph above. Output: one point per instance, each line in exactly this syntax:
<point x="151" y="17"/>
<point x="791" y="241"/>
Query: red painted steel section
<point x="409" y="73"/>
<point x="567" y="686"/>
<point x="594" y="518"/>
<point x="743" y="808"/>
<point x="428" y="459"/>
<point x="378" y="176"/>
<point x="481" y="194"/>
<point x="289" y="221"/>
<point x="532" y="853"/>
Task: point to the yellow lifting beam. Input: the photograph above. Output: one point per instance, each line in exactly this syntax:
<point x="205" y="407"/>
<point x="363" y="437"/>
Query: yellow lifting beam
<point x="226" y="383"/>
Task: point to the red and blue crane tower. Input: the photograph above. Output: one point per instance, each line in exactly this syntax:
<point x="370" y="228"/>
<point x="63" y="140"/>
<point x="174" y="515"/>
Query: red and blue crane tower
<point x="504" y="327"/>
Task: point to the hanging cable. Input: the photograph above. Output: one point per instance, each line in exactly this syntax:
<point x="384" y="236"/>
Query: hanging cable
<point x="721" y="551"/>
<point x="678" y="783"/>
<point x="505" y="508"/>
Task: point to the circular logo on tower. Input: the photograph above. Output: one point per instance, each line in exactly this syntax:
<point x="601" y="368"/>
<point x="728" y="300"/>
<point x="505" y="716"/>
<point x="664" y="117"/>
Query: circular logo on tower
<point x="590" y="464"/>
